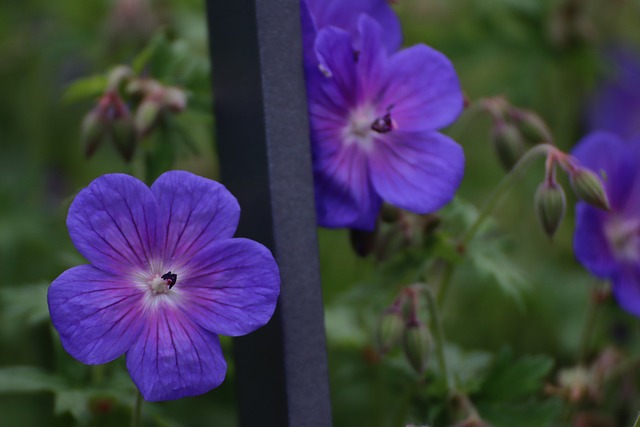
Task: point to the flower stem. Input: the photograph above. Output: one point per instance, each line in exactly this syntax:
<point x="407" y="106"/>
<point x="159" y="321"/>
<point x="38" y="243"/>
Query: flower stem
<point x="496" y="197"/>
<point x="136" y="420"/>
<point x="438" y="336"/>
<point x="637" y="423"/>
<point x="587" y="330"/>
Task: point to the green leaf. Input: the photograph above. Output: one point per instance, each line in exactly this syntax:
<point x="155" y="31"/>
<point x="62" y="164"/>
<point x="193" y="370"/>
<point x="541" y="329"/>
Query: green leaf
<point x="76" y="402"/>
<point x="509" y="379"/>
<point x="24" y="304"/>
<point x="28" y="379"/>
<point x="84" y="88"/>
<point x="489" y="258"/>
<point x="527" y="414"/>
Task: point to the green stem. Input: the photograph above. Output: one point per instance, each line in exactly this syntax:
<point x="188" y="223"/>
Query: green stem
<point x="637" y="423"/>
<point x="496" y="197"/>
<point x="438" y="336"/>
<point x="587" y="330"/>
<point x="136" y="420"/>
<point x="447" y="274"/>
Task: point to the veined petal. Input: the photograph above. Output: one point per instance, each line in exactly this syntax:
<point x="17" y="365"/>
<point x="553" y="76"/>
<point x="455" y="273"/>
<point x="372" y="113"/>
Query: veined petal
<point x="175" y="358"/>
<point x="590" y="244"/>
<point x="196" y="212"/>
<point x="371" y="58"/>
<point x="416" y="171"/>
<point x="97" y="314"/>
<point x="113" y="223"/>
<point x="343" y="190"/>
<point x="344" y="14"/>
<point x="336" y="56"/>
<point x="423" y="88"/>
<point x="231" y="287"/>
<point x="626" y="288"/>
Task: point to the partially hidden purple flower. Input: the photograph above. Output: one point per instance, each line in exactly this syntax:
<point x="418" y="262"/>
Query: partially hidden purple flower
<point x="615" y="106"/>
<point x="374" y="117"/>
<point x="607" y="243"/>
<point x="344" y="14"/>
<point x="165" y="277"/>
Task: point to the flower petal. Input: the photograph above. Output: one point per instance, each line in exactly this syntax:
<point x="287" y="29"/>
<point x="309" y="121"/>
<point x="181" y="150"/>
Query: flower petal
<point x="336" y="56"/>
<point x="590" y="243"/>
<point x="345" y="13"/>
<point x="417" y="171"/>
<point x="626" y="288"/>
<point x="196" y="210"/>
<point x="113" y="225"/>
<point x="343" y="190"/>
<point x="371" y="59"/>
<point x="231" y="287"/>
<point x="175" y="358"/>
<point x="97" y="314"/>
<point x="423" y="88"/>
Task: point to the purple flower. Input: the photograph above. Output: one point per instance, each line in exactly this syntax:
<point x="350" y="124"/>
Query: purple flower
<point x="615" y="106"/>
<point x="344" y="14"/>
<point x="165" y="277"/>
<point x="373" y="119"/>
<point x="607" y="243"/>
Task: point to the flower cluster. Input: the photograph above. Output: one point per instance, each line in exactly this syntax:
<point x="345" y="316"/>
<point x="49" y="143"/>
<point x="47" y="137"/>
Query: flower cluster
<point x="165" y="278"/>
<point x="374" y="113"/>
<point x="607" y="243"/>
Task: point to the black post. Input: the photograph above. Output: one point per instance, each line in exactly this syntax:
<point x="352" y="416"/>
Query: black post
<point x="263" y="145"/>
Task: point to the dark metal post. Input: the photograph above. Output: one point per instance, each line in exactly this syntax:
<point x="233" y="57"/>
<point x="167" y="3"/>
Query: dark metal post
<point x="263" y="145"/>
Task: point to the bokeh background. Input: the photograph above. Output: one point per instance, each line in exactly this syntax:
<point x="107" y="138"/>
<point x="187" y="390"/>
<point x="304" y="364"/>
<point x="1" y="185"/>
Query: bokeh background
<point x="526" y="296"/>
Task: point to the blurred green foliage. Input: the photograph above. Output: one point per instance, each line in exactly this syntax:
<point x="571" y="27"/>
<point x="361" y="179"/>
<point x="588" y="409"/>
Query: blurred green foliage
<point x="517" y="300"/>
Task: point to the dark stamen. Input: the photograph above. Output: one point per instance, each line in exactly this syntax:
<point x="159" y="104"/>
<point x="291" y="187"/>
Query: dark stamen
<point x="171" y="278"/>
<point x="384" y="124"/>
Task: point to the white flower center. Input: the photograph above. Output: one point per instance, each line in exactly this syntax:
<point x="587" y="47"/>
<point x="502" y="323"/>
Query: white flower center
<point x="158" y="285"/>
<point x="364" y="125"/>
<point x="624" y="238"/>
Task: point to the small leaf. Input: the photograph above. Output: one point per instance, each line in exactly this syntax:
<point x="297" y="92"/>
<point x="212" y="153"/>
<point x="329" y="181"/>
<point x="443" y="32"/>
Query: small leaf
<point x="87" y="87"/>
<point x="28" y="379"/>
<point x="76" y="402"/>
<point x="24" y="304"/>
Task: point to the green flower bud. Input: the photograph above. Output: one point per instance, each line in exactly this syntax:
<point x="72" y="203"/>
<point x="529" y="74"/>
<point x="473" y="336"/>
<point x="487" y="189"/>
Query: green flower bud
<point x="93" y="131"/>
<point x="390" y="329"/>
<point x="531" y="126"/>
<point x="123" y="135"/>
<point x="417" y="345"/>
<point x="363" y="242"/>
<point x="147" y="116"/>
<point x="508" y="143"/>
<point x="117" y="75"/>
<point x="551" y="205"/>
<point x="588" y="187"/>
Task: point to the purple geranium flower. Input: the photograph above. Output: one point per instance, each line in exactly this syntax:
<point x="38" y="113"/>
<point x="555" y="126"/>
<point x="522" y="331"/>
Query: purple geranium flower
<point x="373" y="119"/>
<point x="344" y="14"/>
<point x="615" y="106"/>
<point x="165" y="277"/>
<point x="607" y="243"/>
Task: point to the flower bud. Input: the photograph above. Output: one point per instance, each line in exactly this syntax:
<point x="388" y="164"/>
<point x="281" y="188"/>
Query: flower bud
<point x="390" y="329"/>
<point x="551" y="204"/>
<point x="588" y="187"/>
<point x="147" y="115"/>
<point x="94" y="128"/>
<point x="117" y="75"/>
<point x="175" y="99"/>
<point x="417" y="344"/>
<point x="123" y="135"/>
<point x="363" y="242"/>
<point x="531" y="126"/>
<point x="508" y="143"/>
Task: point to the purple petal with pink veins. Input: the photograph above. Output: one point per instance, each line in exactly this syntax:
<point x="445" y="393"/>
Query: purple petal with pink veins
<point x="196" y="211"/>
<point x="416" y="171"/>
<point x="626" y="288"/>
<point x="590" y="244"/>
<point x="343" y="190"/>
<point x="175" y="358"/>
<point x="113" y="223"/>
<point x="97" y="314"/>
<point x="423" y="87"/>
<point x="231" y="287"/>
